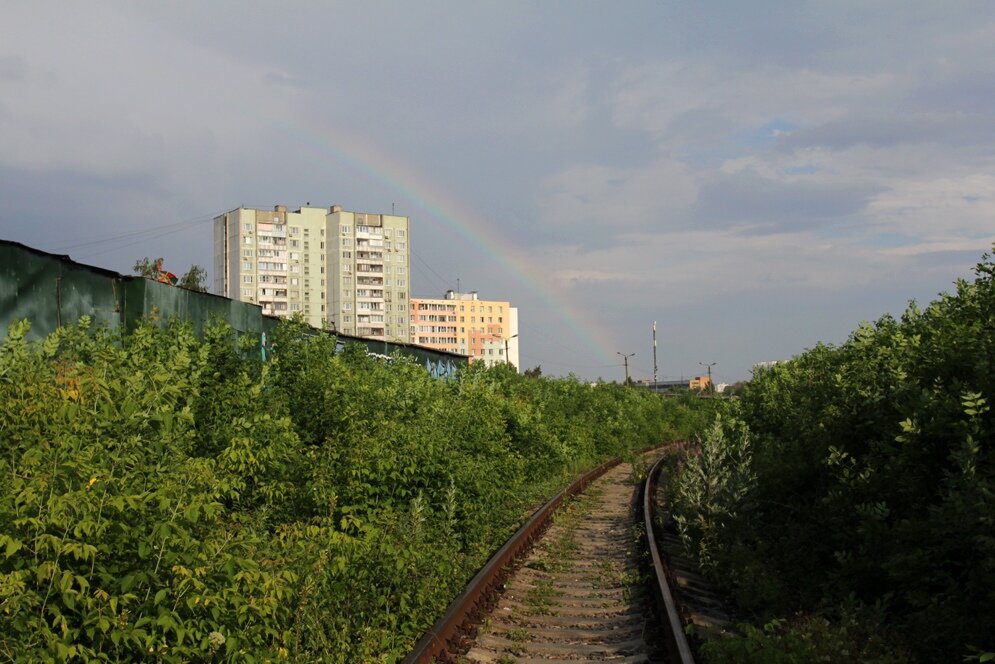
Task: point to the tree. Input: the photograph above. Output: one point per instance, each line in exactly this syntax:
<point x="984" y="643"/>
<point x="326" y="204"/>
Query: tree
<point x="148" y="267"/>
<point x="535" y="372"/>
<point x="151" y="268"/>
<point x="194" y="279"/>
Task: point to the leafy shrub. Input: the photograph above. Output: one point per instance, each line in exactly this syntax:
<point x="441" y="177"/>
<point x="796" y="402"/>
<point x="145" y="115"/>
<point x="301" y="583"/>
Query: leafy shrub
<point x="169" y="498"/>
<point x="875" y="469"/>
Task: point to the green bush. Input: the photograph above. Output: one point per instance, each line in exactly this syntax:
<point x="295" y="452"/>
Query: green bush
<point x="875" y="478"/>
<point x="174" y="499"/>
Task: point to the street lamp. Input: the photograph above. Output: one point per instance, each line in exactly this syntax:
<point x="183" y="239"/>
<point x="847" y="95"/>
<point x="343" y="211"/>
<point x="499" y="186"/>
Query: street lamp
<point x="709" y="367"/>
<point x="625" y="357"/>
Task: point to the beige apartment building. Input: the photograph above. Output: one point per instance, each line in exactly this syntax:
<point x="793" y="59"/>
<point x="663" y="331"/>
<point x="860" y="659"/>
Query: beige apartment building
<point x="345" y="271"/>
<point x="486" y="330"/>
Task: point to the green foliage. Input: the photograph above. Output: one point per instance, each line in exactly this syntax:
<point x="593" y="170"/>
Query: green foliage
<point x="850" y="638"/>
<point x="875" y="470"/>
<point x="713" y="488"/>
<point x="169" y="498"/>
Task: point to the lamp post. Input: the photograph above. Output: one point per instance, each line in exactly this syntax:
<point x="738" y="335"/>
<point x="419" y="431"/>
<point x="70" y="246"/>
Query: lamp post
<point x="709" y="367"/>
<point x="625" y="358"/>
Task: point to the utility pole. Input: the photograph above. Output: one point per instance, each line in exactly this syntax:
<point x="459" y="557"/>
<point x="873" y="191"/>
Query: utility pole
<point x="711" y="387"/>
<point x="626" y="357"/>
<point x="654" y="355"/>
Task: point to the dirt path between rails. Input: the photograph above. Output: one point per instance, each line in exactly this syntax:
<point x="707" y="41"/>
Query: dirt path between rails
<point x="578" y="596"/>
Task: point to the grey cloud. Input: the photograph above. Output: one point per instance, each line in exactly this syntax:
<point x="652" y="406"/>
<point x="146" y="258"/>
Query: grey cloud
<point x="766" y="205"/>
<point x="883" y="131"/>
<point x="12" y="68"/>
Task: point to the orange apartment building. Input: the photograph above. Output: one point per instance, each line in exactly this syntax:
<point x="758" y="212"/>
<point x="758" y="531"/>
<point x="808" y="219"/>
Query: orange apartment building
<point x="700" y="383"/>
<point x="485" y="330"/>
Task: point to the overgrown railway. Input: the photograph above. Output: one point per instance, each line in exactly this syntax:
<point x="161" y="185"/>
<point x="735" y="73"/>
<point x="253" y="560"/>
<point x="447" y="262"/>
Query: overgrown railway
<point x="584" y="580"/>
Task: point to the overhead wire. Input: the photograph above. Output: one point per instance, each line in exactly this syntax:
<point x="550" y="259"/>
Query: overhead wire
<point x="441" y="279"/>
<point x="154" y="231"/>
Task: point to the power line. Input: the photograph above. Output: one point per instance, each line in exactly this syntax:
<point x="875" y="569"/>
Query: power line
<point x="442" y="280"/>
<point x="154" y="231"/>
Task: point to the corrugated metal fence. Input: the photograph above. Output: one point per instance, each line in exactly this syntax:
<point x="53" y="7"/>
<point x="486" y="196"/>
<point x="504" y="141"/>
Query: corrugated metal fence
<point x="51" y="290"/>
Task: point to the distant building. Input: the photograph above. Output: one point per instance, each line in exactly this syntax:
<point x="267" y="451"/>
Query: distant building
<point x="346" y="271"/>
<point x="463" y="323"/>
<point x="699" y="383"/>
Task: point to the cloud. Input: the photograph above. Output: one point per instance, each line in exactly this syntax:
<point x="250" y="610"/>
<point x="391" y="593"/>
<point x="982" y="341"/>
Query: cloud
<point x="596" y="203"/>
<point x="763" y="204"/>
<point x="957" y="130"/>
<point x="566" y="278"/>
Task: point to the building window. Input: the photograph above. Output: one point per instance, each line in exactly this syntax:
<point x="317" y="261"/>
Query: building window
<point x="400" y="233"/>
<point x="346" y="254"/>
<point x="247" y="265"/>
<point x="247" y="253"/>
<point x="247" y="279"/>
<point x="248" y="240"/>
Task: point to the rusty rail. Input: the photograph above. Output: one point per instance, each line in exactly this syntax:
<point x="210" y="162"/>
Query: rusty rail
<point x="444" y="634"/>
<point x="677" y="643"/>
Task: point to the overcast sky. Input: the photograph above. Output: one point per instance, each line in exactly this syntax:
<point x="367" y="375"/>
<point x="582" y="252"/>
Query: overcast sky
<point x="754" y="176"/>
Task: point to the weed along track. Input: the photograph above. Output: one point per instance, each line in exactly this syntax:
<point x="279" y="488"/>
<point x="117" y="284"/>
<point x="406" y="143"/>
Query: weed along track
<point x="578" y="594"/>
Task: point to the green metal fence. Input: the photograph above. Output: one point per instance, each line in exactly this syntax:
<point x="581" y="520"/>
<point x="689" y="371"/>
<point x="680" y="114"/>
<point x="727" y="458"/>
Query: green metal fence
<point x="51" y="290"/>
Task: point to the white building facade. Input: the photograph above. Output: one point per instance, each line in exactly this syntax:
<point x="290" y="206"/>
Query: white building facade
<point x="345" y="271"/>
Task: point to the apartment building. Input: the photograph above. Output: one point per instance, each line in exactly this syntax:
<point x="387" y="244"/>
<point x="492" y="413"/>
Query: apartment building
<point x="346" y="271"/>
<point x="486" y="330"/>
<point x="370" y="274"/>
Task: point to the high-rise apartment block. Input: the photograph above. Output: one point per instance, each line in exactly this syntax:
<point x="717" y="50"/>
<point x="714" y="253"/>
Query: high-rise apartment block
<point x="346" y="271"/>
<point x="486" y="330"/>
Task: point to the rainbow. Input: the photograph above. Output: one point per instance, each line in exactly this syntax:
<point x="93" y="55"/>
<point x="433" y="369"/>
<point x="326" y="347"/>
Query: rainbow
<point x="474" y="229"/>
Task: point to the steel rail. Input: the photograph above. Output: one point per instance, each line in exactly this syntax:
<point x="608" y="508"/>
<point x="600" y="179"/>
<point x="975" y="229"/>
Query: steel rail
<point x="677" y="643"/>
<point x="444" y="634"/>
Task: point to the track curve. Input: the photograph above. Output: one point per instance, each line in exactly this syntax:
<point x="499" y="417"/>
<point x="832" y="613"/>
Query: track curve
<point x="591" y="588"/>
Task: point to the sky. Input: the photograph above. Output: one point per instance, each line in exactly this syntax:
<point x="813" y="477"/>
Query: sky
<point x="755" y="177"/>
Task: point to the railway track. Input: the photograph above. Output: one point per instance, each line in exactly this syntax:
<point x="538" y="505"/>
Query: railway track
<point x="582" y="591"/>
<point x="578" y="594"/>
